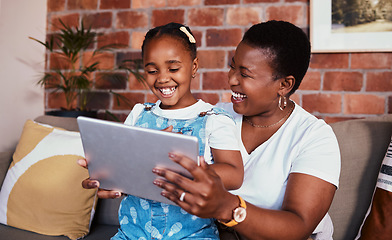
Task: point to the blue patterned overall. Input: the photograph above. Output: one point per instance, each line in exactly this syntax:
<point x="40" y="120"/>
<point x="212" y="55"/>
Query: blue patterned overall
<point x="146" y="219"/>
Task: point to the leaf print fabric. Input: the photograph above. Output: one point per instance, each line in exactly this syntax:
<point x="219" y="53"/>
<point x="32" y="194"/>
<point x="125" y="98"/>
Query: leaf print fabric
<point x="175" y="229"/>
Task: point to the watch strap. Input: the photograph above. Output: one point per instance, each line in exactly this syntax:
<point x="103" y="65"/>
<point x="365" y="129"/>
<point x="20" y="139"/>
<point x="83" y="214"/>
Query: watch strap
<point x="233" y="222"/>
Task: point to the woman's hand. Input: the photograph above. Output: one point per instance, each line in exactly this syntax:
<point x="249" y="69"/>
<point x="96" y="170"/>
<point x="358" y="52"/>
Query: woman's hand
<point x="205" y="196"/>
<point x="92" y="184"/>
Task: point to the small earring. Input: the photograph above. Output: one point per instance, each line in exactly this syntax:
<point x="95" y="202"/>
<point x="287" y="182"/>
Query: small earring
<point x="284" y="103"/>
<point x="194" y="75"/>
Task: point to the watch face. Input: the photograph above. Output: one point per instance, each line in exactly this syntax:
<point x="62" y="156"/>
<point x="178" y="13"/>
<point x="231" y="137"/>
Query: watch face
<point x="239" y="214"/>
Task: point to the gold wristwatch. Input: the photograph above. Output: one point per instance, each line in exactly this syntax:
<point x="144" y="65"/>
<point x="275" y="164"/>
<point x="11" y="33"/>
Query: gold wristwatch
<point x="239" y="214"/>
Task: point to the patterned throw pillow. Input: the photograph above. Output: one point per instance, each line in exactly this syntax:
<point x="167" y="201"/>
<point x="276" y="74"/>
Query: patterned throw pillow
<point x="378" y="220"/>
<point x="42" y="190"/>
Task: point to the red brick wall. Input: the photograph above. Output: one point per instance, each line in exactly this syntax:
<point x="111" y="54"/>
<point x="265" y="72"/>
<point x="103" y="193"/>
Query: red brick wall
<point x="338" y="86"/>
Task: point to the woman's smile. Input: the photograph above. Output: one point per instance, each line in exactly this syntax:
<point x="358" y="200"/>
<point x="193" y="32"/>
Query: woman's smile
<point x="237" y="97"/>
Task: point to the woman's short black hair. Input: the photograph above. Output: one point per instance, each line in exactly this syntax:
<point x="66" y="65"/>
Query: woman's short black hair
<point x="173" y="30"/>
<point x="287" y="45"/>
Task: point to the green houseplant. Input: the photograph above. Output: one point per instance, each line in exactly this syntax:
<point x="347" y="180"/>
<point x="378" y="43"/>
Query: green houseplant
<point x="71" y="74"/>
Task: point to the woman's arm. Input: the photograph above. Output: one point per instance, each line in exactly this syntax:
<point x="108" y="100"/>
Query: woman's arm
<point x="306" y="201"/>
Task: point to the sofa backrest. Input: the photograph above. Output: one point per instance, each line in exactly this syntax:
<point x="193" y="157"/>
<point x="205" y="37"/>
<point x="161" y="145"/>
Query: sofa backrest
<point x="363" y="144"/>
<point x="67" y="123"/>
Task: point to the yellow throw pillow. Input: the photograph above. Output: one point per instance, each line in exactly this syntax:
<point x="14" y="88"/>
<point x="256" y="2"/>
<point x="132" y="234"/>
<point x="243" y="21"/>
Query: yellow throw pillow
<point x="42" y="190"/>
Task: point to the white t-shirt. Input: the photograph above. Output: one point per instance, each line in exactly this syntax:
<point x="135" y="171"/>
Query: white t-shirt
<point x="220" y="132"/>
<point x="303" y="144"/>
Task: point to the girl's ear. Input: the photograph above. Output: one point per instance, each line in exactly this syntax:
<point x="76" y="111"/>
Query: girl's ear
<point x="195" y="66"/>
<point x="286" y="84"/>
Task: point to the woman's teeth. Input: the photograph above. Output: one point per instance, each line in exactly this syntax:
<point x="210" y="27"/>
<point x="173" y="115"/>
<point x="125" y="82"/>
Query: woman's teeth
<point x="167" y="91"/>
<point x="238" y="96"/>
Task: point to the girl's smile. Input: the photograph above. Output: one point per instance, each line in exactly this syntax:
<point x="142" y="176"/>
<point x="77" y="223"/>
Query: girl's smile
<point x="167" y="91"/>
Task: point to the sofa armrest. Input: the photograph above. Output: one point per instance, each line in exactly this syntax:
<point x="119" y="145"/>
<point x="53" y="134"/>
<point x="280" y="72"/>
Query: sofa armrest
<point x="5" y="160"/>
<point x="363" y="144"/>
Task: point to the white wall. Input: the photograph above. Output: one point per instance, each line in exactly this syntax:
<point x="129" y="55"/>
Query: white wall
<point x="21" y="64"/>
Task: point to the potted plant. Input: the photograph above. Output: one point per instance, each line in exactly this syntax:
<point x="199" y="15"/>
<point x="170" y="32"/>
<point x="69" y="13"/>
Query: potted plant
<point x="69" y="75"/>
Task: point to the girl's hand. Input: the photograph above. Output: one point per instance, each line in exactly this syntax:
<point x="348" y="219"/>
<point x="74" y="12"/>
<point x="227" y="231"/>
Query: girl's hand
<point x="205" y="195"/>
<point x="168" y="129"/>
<point x="92" y="184"/>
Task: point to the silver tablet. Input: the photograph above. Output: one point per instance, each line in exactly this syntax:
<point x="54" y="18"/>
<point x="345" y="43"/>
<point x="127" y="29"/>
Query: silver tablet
<point x="122" y="157"/>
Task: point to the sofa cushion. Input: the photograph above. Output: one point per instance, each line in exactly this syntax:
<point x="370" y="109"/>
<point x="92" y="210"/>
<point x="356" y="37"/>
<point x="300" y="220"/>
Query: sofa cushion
<point x="42" y="190"/>
<point x="107" y="211"/>
<point x="97" y="232"/>
<point x="11" y="233"/>
<point x="362" y="146"/>
<point x="378" y="222"/>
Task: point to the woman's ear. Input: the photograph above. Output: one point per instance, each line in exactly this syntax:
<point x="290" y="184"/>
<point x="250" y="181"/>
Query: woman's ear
<point x="286" y="84"/>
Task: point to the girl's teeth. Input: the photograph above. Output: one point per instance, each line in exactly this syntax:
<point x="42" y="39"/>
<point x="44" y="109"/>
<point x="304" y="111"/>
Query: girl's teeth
<point x="238" y="96"/>
<point x="167" y="91"/>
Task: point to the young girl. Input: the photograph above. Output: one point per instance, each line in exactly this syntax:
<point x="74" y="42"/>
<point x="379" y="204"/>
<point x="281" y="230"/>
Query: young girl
<point x="170" y="63"/>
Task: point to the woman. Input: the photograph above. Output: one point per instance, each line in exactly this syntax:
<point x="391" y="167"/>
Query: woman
<point x="291" y="159"/>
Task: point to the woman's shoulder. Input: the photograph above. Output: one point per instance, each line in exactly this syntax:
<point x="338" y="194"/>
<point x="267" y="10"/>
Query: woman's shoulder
<point x="227" y="107"/>
<point x="305" y="118"/>
<point x="304" y="123"/>
<point x="224" y="105"/>
<point x="213" y="109"/>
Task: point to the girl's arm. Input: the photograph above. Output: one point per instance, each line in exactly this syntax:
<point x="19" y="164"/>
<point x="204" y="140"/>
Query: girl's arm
<point x="229" y="167"/>
<point x="224" y="144"/>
